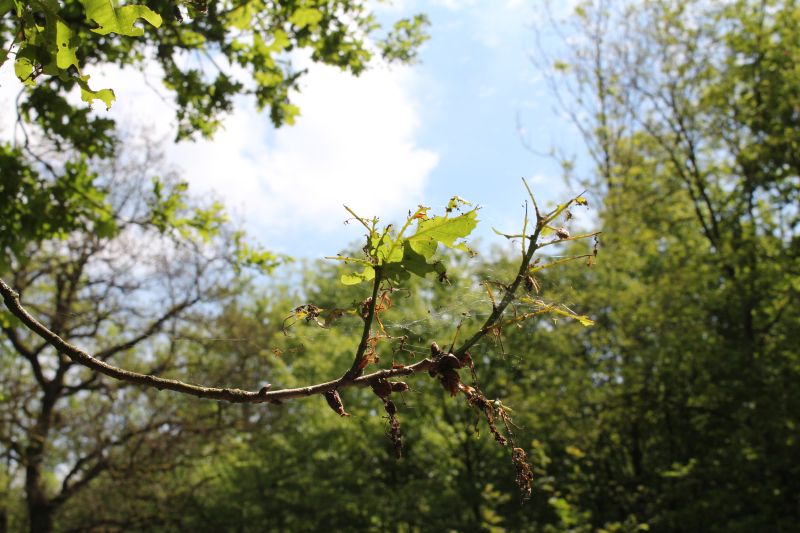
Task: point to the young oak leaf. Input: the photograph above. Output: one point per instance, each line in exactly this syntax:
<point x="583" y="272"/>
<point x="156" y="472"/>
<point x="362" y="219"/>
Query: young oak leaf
<point x="444" y="230"/>
<point x="110" y="19"/>
<point x="582" y="319"/>
<point x="304" y="17"/>
<point x="385" y="249"/>
<point x="89" y="95"/>
<point x="355" y="278"/>
<point x="66" y="46"/>
<point x="456" y="202"/>
<point x="398" y="258"/>
<point x="412" y="263"/>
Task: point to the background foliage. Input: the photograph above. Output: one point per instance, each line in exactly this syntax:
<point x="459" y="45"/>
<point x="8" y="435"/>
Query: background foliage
<point x="677" y="411"/>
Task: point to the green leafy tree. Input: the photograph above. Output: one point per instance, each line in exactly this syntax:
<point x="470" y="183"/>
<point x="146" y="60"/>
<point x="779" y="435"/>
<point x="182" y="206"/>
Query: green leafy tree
<point x="63" y="426"/>
<point x="297" y="467"/>
<point x="52" y="43"/>
<point x="390" y="259"/>
<point x="687" y="411"/>
<point x="55" y="45"/>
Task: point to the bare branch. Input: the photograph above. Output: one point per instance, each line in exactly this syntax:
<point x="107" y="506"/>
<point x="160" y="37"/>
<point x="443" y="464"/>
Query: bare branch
<point x="510" y="291"/>
<point x="232" y="395"/>
<point x="27" y="353"/>
<point x="151" y="330"/>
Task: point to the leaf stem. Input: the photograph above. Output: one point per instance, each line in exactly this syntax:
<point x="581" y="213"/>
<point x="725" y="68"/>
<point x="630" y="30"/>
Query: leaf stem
<point x="573" y="238"/>
<point x="356" y="369"/>
<point x="533" y="199"/>
<point x="363" y="222"/>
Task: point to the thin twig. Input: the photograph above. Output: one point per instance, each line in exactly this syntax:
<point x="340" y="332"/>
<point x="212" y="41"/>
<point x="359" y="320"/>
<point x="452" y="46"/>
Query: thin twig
<point x="509" y="292"/>
<point x="357" y="368"/>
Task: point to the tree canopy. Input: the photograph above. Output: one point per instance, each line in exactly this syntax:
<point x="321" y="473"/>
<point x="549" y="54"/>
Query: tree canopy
<point x="677" y="411"/>
<point x="53" y="43"/>
<point x="208" y="54"/>
<point x="690" y="110"/>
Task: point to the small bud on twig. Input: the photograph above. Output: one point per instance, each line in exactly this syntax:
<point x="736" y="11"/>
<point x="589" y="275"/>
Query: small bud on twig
<point x="399" y="386"/>
<point x="435" y="350"/>
<point x="335" y="402"/>
<point x="382" y="388"/>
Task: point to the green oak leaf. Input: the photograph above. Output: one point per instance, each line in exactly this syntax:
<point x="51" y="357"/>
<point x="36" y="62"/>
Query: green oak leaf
<point x="118" y="20"/>
<point x="367" y="274"/>
<point x="89" y="95"/>
<point x="25" y="64"/>
<point x="241" y="17"/>
<point x="582" y="319"/>
<point x="66" y="46"/>
<point x="399" y="258"/>
<point x="385" y="249"/>
<point x="305" y="16"/>
<point x="443" y="230"/>
<point x="412" y="263"/>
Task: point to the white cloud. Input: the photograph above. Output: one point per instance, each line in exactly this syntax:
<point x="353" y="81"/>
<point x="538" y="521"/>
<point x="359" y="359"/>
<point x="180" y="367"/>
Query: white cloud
<point x="9" y="87"/>
<point x="455" y="5"/>
<point x="353" y="144"/>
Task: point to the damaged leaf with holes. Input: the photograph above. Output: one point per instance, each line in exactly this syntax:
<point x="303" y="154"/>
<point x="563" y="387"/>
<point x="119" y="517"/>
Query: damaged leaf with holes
<point x="411" y="251"/>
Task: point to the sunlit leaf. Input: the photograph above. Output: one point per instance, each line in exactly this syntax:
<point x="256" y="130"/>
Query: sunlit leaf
<point x="89" y="95"/>
<point x="456" y="202"/>
<point x="444" y="230"/>
<point x="582" y="319"/>
<point x="24" y="65"/>
<point x="66" y="45"/>
<point x="119" y="20"/>
<point x="305" y="17"/>
<point x="240" y="17"/>
<point x="557" y="211"/>
<point x="367" y="274"/>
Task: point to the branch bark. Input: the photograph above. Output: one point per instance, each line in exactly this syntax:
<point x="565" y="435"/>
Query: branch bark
<point x="357" y="368"/>
<point x="232" y="395"/>
<point x="353" y="377"/>
<point x="264" y="395"/>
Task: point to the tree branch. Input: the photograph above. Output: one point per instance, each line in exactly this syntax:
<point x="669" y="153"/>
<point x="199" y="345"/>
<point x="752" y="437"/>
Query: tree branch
<point x="510" y="291"/>
<point x="27" y="353"/>
<point x="232" y="395"/>
<point x="357" y="368"/>
<point x="152" y="329"/>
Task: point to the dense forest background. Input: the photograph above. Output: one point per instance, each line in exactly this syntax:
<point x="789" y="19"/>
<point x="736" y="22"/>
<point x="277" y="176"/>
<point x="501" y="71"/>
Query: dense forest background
<point x="678" y="410"/>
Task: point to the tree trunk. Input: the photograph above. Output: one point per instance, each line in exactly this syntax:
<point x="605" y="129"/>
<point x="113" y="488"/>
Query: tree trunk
<point x="5" y="496"/>
<point x="40" y="510"/>
<point x="41" y="517"/>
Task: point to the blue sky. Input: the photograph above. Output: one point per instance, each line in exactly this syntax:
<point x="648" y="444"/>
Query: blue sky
<point x="382" y="143"/>
<point x="477" y="85"/>
<point x="397" y="137"/>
